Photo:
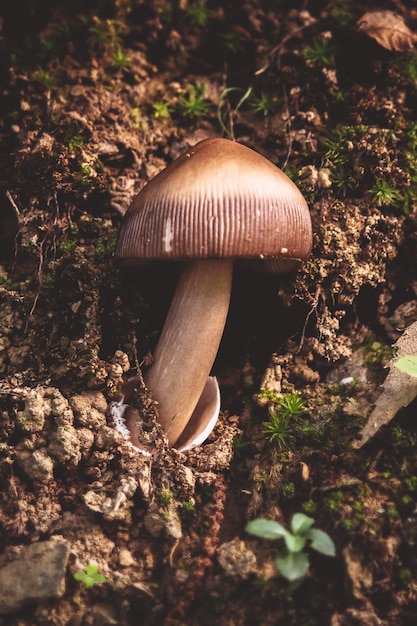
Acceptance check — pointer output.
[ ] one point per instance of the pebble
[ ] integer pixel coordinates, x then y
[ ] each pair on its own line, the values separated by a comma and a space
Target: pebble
37, 574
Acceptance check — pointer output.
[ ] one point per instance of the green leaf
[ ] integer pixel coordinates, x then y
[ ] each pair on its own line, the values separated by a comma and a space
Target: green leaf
294, 543
292, 565
300, 523
321, 542
99, 578
90, 576
268, 529
407, 364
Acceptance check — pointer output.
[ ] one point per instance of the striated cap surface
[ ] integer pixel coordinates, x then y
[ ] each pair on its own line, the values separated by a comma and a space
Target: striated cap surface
218, 200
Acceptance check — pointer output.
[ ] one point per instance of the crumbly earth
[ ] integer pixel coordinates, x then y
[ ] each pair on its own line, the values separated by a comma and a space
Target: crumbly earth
97, 98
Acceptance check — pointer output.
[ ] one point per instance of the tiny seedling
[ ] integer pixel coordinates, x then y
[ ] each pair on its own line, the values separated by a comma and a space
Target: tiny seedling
90, 576
292, 560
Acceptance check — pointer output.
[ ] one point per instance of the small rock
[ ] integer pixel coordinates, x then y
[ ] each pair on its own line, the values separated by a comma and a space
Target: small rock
104, 615
153, 521
37, 465
36, 575
89, 409
32, 418
64, 446
163, 520
236, 559
125, 558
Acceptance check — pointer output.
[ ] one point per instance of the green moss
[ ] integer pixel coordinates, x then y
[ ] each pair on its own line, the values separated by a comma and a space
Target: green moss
309, 507
265, 104
119, 58
165, 497
379, 162
192, 102
320, 53
405, 576
391, 513
384, 193
103, 34
375, 352
198, 13
66, 247
188, 507
48, 281
334, 503
75, 143
105, 247
161, 109
288, 490
349, 526
48, 80
312, 431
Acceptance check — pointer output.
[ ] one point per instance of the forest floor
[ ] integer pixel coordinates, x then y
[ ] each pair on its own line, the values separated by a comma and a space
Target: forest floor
97, 98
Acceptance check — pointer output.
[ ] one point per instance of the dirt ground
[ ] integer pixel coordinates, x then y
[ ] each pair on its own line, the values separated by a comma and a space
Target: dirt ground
97, 98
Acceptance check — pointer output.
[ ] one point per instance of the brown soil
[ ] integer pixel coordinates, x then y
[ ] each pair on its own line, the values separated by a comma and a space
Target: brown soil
97, 98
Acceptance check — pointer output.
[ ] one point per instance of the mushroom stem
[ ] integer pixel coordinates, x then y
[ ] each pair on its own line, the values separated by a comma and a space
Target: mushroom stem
189, 342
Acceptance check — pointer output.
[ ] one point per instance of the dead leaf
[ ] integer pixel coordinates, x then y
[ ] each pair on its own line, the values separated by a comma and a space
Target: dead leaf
388, 29
399, 389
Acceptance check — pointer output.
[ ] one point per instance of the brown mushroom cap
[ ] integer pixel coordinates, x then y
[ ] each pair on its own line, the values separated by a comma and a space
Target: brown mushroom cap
218, 200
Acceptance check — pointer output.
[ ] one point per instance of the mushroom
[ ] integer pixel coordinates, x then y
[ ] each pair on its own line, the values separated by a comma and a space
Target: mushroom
216, 203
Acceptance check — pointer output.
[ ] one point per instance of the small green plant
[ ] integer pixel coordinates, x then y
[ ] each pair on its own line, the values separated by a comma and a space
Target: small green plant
90, 576
103, 34
285, 409
161, 109
334, 503
165, 497
67, 246
309, 507
288, 490
278, 429
291, 405
391, 512
48, 281
119, 58
135, 117
75, 143
230, 111
188, 506
384, 193
105, 247
292, 561
231, 42
193, 103
198, 13
48, 80
320, 53
265, 104
407, 364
